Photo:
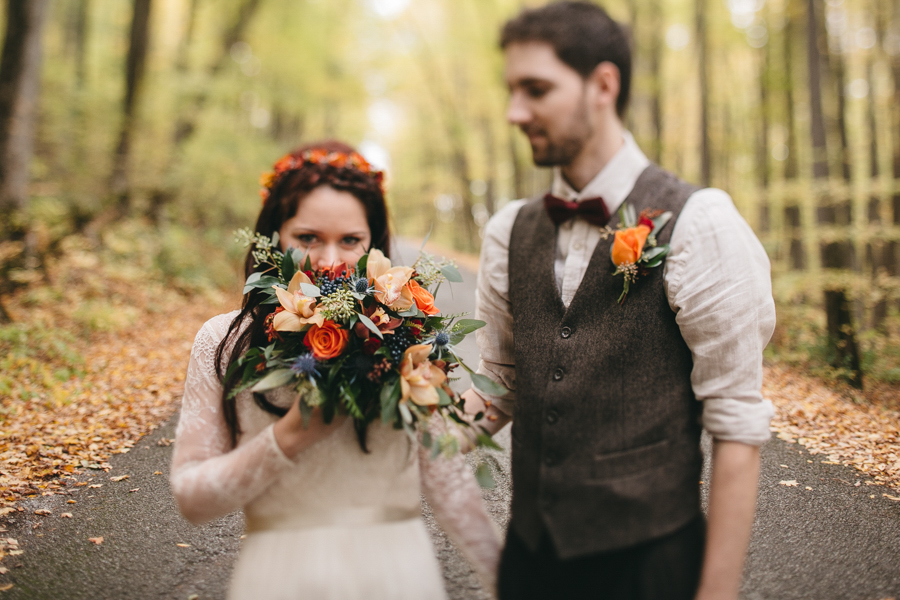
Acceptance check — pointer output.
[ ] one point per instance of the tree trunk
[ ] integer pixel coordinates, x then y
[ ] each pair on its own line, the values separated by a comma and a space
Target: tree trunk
185, 46
19, 89
120, 184
519, 175
654, 59
700, 7
791, 166
837, 62
843, 351
762, 149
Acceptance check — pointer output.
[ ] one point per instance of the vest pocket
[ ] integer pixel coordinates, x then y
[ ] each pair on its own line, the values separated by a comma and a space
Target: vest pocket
625, 463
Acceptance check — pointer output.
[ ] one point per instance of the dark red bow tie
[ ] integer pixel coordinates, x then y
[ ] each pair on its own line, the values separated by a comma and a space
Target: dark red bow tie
592, 210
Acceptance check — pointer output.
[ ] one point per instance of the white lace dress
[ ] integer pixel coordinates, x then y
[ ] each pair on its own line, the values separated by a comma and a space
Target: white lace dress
333, 523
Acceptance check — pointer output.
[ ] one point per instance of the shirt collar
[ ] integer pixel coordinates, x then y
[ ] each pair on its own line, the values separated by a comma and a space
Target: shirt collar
613, 183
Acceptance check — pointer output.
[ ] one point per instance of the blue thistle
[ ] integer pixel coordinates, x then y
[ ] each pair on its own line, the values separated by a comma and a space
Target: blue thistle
362, 286
305, 365
442, 339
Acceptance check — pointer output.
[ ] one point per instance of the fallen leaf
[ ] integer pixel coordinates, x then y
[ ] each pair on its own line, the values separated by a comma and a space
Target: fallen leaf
118, 478
809, 488
134, 490
785, 466
6, 510
789, 483
3, 570
5, 587
96, 540
165, 442
95, 485
65, 516
16, 552
42, 512
71, 502
157, 472
894, 498
183, 545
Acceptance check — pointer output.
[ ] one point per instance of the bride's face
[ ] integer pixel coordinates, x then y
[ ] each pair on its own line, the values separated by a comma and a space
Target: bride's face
330, 226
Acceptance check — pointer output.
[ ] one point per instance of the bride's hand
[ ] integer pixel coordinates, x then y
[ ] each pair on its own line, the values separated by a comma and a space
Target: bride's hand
293, 438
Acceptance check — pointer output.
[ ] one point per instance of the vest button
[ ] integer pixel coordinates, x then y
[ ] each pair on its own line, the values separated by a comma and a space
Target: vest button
557, 374
552, 417
566, 332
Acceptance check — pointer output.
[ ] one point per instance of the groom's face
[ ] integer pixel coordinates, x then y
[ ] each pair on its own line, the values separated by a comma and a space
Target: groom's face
548, 102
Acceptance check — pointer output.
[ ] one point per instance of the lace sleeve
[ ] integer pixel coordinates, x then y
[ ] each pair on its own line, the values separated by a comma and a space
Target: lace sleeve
210, 479
455, 498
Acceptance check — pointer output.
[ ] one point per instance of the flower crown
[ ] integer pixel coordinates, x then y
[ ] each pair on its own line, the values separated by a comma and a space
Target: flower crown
317, 156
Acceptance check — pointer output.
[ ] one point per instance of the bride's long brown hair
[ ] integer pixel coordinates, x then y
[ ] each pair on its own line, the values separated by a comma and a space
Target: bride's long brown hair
281, 205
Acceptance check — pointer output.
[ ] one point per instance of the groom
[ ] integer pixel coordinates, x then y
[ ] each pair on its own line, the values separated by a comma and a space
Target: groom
608, 398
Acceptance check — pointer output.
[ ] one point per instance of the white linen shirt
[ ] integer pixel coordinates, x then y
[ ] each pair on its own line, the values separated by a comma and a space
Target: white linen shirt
716, 280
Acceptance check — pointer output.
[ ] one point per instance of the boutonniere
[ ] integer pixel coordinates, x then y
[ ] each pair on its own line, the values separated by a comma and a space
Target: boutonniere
634, 248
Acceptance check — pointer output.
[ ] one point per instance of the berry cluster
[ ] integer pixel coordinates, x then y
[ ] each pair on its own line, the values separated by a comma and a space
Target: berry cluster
398, 343
330, 286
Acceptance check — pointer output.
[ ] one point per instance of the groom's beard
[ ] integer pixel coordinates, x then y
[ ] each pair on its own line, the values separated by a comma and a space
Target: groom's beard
560, 150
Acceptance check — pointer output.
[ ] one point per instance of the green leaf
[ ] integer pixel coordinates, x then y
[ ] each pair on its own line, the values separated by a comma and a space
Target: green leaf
390, 396
288, 267
253, 277
660, 221
467, 326
361, 265
370, 325
487, 385
426, 439
273, 380
405, 414
445, 400
310, 290
412, 312
653, 253
486, 441
451, 273
275, 239
307, 264
485, 476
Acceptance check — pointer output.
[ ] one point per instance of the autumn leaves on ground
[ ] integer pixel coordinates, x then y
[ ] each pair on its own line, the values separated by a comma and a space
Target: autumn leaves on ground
97, 353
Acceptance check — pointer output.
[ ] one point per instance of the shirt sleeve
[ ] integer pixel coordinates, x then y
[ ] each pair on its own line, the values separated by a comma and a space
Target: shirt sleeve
718, 283
495, 339
210, 479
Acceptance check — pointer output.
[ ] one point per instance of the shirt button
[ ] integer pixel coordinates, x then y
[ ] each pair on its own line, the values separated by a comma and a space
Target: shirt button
557, 374
565, 332
577, 246
552, 417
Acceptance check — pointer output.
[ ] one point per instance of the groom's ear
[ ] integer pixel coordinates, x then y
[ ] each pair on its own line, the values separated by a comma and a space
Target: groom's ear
604, 83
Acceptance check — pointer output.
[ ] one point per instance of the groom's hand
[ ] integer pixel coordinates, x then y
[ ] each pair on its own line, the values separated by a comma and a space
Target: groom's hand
494, 419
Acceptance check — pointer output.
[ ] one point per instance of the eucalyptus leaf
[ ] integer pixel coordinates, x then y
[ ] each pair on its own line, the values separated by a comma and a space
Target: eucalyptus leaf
485, 476
654, 252
445, 400
271, 300
390, 396
310, 290
487, 385
412, 312
253, 277
273, 380
467, 326
370, 325
307, 264
405, 414
275, 239
486, 441
361, 264
451, 273
660, 221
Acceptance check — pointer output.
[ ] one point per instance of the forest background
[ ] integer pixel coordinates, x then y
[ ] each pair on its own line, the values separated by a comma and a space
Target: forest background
132, 134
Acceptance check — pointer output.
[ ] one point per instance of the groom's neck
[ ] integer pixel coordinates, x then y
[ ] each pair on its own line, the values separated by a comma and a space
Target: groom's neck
597, 152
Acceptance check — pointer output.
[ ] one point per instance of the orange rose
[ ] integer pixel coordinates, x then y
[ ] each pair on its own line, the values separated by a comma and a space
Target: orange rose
326, 341
629, 244
424, 299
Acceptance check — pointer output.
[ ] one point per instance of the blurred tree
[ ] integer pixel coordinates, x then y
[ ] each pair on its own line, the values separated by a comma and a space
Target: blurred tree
120, 185
701, 11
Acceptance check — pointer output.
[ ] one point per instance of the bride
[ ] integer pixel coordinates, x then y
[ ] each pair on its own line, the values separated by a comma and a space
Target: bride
332, 511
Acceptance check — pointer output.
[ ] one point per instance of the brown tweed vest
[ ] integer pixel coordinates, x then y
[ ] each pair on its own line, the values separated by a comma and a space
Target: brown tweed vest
605, 441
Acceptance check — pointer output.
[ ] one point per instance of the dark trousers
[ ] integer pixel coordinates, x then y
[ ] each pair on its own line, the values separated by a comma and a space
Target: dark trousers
666, 568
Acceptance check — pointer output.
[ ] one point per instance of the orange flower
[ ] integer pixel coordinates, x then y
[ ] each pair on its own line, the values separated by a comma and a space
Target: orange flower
419, 377
326, 341
629, 244
424, 299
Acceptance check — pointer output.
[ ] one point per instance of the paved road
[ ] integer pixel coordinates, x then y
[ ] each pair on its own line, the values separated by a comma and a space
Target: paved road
839, 540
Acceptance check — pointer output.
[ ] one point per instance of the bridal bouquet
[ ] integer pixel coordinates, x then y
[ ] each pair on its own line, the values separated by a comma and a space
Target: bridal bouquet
365, 339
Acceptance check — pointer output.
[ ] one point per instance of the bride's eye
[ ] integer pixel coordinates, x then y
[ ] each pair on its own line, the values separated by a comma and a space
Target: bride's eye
306, 239
350, 241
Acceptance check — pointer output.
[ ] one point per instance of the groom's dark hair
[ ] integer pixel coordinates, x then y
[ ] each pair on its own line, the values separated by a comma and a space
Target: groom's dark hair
583, 35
